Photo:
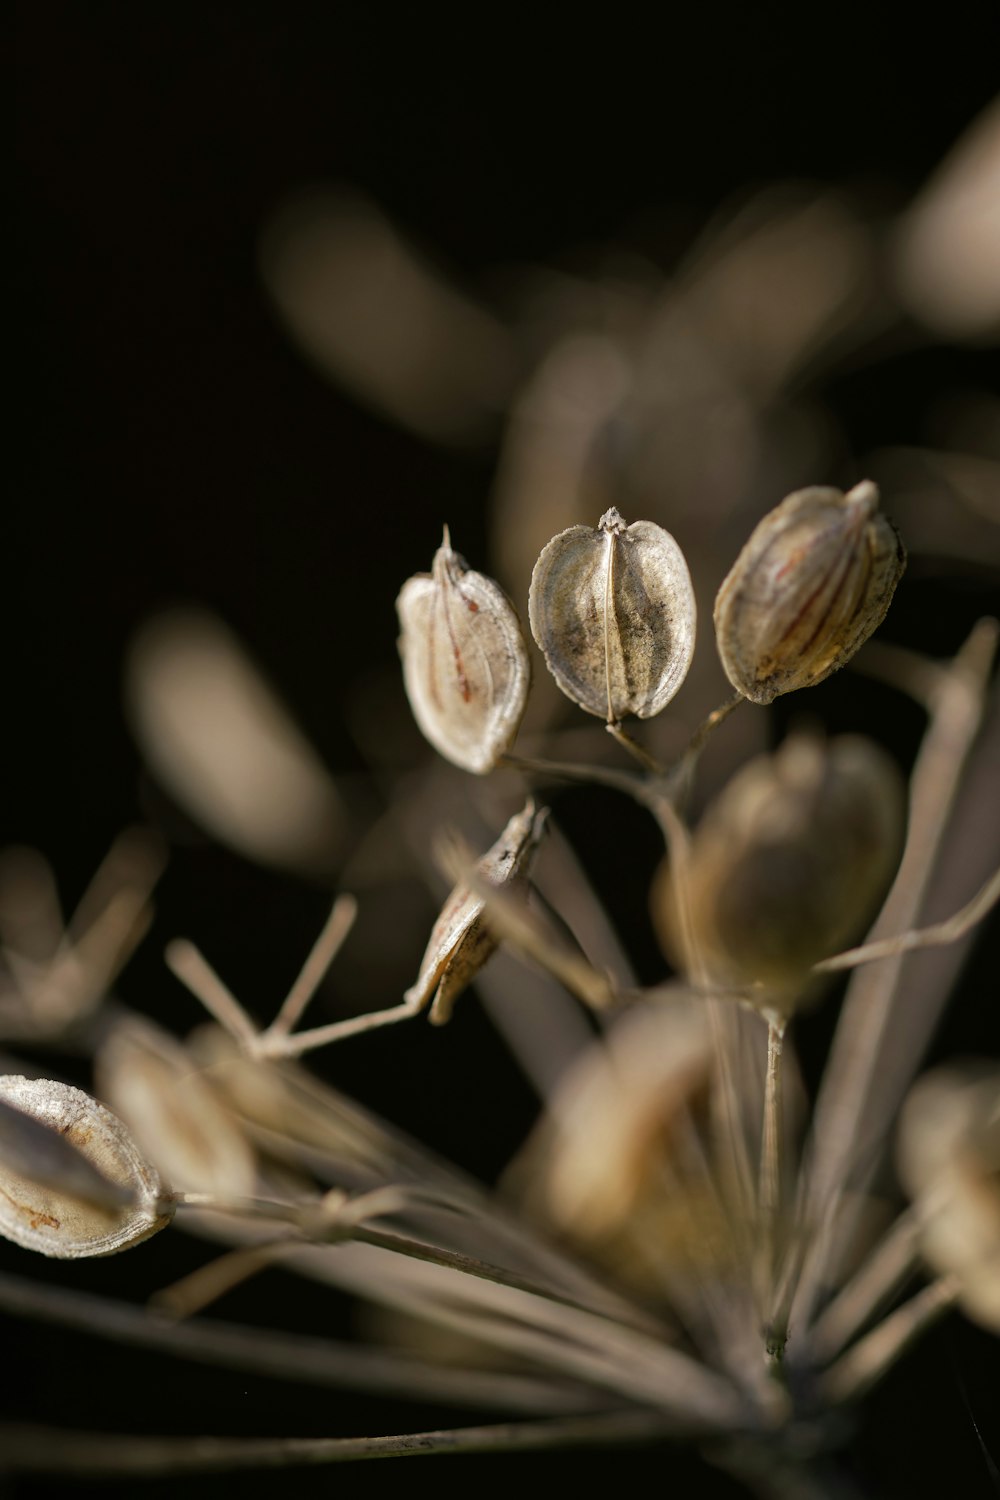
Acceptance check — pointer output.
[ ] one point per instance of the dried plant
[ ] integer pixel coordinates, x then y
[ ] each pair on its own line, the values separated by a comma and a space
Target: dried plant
685, 1247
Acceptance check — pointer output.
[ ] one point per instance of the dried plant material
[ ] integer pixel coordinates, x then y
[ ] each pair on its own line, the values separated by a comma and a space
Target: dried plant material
948, 1152
81, 1189
465, 664
786, 865
814, 580
362, 303
948, 246
610, 1165
175, 1115
462, 939
613, 613
222, 743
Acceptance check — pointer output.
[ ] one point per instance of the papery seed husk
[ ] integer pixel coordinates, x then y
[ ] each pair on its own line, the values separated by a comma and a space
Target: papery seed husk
812, 583
948, 1154
56, 1213
174, 1114
465, 663
787, 864
613, 613
461, 941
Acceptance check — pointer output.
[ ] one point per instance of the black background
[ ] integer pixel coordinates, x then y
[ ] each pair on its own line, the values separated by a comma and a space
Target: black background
171, 444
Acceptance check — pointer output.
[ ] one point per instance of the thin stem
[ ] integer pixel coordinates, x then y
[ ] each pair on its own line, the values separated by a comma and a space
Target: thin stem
769, 1182
882, 1273
195, 972
935, 936
47, 1450
325, 949
638, 752
271, 1046
869, 1359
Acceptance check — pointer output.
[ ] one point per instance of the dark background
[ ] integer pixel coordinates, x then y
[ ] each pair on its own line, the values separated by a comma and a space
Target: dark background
170, 443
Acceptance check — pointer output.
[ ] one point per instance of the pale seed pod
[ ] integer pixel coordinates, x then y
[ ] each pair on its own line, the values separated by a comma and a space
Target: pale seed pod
461, 940
465, 664
786, 866
814, 580
177, 1118
948, 1154
613, 613
72, 1180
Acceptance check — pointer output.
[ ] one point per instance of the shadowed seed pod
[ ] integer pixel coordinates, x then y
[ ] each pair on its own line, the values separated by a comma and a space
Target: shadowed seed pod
786, 866
461, 940
613, 613
72, 1180
812, 583
948, 1153
465, 664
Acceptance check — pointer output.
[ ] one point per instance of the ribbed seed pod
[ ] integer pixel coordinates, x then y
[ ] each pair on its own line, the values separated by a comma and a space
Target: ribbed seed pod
787, 865
465, 664
72, 1180
613, 613
812, 583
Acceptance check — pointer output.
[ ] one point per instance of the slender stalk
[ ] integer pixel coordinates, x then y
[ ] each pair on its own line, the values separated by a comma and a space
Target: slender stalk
770, 1178
47, 1450
882, 1273
869, 1359
325, 949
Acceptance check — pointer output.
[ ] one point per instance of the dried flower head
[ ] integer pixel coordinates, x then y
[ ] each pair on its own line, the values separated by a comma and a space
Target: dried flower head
465, 664
814, 580
462, 940
72, 1180
613, 613
788, 862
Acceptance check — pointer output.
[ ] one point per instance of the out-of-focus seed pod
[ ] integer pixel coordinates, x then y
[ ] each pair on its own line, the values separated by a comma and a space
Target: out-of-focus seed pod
465, 664
461, 940
787, 864
613, 1165
175, 1115
72, 1180
812, 583
613, 613
948, 1154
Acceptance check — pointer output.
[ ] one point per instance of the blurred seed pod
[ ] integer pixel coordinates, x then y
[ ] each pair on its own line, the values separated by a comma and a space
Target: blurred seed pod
72, 1180
461, 940
787, 865
948, 1154
177, 1119
465, 664
812, 583
614, 1166
220, 740
613, 612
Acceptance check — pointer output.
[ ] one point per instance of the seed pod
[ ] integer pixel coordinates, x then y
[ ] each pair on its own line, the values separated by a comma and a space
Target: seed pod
948, 1153
177, 1118
461, 940
613, 613
72, 1181
465, 664
787, 864
812, 583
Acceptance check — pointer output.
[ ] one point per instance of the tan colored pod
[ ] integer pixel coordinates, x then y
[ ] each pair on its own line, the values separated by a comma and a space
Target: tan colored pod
72, 1180
948, 1153
461, 940
613, 612
786, 865
465, 663
811, 585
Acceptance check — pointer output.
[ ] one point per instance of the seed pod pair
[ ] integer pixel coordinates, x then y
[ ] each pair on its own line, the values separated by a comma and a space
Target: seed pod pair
785, 866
